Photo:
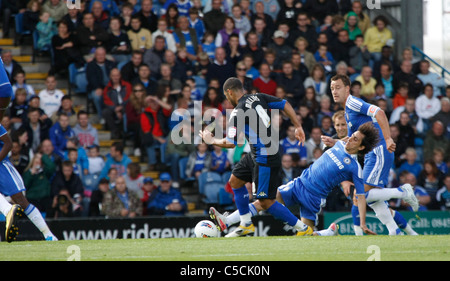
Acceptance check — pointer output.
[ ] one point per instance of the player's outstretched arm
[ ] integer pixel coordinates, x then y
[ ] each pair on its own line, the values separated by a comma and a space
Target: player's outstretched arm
299, 133
207, 136
384, 125
362, 214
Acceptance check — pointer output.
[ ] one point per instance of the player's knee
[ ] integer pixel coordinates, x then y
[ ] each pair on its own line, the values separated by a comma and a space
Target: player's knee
266, 203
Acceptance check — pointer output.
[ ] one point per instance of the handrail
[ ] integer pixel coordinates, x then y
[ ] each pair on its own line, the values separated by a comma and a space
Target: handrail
415, 48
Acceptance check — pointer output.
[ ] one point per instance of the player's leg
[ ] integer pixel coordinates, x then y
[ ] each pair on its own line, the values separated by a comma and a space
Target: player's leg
12, 213
402, 223
13, 186
34, 215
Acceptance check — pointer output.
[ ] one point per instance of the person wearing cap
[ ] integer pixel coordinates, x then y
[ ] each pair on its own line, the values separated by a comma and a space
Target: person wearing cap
283, 51
168, 201
149, 189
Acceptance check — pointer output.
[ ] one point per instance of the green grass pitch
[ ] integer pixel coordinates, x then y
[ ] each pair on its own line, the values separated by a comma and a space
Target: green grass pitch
338, 248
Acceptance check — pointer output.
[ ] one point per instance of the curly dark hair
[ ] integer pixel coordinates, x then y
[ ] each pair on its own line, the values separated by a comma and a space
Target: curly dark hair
371, 137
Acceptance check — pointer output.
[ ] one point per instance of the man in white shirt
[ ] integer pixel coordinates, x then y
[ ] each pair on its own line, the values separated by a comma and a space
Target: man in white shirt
50, 97
428, 77
426, 104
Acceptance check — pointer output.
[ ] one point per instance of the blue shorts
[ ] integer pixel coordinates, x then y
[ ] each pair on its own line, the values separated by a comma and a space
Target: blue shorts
294, 193
377, 165
10, 180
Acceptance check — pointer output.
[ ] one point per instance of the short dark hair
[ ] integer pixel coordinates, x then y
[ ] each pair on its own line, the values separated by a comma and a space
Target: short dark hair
344, 78
233, 84
371, 137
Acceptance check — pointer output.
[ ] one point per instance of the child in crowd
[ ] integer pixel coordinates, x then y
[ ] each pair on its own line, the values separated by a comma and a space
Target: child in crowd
401, 96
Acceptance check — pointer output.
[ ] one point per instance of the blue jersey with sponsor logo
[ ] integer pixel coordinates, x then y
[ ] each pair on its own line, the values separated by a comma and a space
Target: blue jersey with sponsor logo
332, 168
358, 112
252, 116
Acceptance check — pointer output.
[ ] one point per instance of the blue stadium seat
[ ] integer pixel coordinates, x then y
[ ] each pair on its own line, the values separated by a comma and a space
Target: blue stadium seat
20, 31
208, 178
212, 191
225, 198
77, 79
182, 163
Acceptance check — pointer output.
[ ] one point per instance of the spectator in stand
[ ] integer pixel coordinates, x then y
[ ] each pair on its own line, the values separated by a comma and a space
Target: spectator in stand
140, 37
116, 160
96, 162
431, 179
149, 19
376, 37
50, 97
118, 46
438, 157
443, 195
241, 22
171, 17
199, 161
101, 15
405, 75
444, 115
121, 201
317, 80
186, 37
96, 200
220, 68
11, 66
325, 58
65, 49
351, 25
168, 201
305, 30
154, 57
363, 18
154, 129
386, 78
115, 96
401, 96
19, 160
196, 22
127, 10
271, 7
407, 132
18, 108
37, 129
427, 105
97, 75
19, 77
288, 171
149, 190
432, 78
436, 139
167, 80
224, 33
31, 15
264, 83
67, 108
73, 18
283, 52
241, 70
60, 132
56, 9
215, 18
219, 161
307, 58
368, 83
47, 149
411, 165
45, 28
292, 82
87, 134
162, 31
129, 71
134, 179
315, 141
290, 145
133, 110
359, 56
66, 191
90, 36
253, 50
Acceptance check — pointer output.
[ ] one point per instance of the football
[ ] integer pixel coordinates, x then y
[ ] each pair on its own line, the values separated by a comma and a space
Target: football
206, 229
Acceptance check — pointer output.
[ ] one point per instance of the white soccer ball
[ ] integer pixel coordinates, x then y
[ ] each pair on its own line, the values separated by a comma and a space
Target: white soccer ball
206, 229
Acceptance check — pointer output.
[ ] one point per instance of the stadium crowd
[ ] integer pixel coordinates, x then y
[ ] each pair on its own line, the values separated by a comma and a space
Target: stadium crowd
146, 58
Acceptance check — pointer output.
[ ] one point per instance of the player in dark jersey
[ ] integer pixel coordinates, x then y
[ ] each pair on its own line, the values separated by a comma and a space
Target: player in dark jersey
252, 116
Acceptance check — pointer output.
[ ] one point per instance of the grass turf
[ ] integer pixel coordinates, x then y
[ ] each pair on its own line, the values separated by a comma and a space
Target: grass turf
340, 248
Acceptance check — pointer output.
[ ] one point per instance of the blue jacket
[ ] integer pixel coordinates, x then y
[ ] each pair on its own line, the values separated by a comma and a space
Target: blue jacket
162, 199
58, 137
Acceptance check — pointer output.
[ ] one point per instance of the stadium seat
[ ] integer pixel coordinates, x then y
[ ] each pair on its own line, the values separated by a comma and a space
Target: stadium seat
225, 198
77, 79
182, 163
226, 176
211, 192
20, 31
208, 178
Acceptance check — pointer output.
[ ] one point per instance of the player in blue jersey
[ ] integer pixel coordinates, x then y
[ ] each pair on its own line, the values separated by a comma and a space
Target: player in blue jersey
251, 115
11, 184
312, 187
6, 91
378, 162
